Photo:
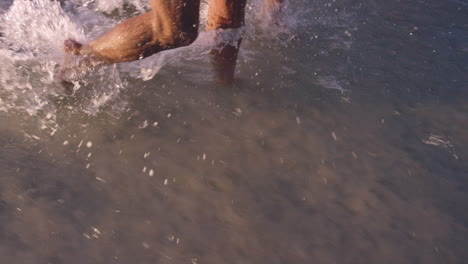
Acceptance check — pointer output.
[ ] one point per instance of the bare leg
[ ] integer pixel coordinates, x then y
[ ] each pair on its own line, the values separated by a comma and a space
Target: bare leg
170, 24
269, 12
273, 6
224, 14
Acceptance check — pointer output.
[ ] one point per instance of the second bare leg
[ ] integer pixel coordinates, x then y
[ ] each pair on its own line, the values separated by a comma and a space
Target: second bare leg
229, 14
226, 14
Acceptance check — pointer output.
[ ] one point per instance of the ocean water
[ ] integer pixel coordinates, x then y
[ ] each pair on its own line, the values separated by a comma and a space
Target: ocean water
342, 140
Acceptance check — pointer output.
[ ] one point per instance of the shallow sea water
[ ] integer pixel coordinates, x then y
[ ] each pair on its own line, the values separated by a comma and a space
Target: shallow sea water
343, 140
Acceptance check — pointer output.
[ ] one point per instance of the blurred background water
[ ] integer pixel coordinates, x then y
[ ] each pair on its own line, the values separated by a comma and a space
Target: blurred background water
343, 140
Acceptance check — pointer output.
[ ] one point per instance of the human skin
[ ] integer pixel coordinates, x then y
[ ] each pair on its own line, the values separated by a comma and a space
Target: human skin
170, 24
225, 14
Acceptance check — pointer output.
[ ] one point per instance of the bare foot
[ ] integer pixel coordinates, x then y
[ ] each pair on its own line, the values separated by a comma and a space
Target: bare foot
72, 47
72, 66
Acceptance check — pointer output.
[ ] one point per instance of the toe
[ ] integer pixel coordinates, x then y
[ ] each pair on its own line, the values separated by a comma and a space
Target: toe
72, 46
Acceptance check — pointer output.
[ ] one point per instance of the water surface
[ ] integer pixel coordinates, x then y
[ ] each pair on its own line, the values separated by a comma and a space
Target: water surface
343, 140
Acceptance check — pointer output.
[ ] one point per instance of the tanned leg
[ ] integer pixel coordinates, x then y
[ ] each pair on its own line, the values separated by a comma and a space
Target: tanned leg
170, 24
273, 6
268, 14
225, 14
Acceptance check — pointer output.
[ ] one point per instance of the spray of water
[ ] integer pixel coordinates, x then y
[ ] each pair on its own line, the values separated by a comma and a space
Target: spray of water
32, 34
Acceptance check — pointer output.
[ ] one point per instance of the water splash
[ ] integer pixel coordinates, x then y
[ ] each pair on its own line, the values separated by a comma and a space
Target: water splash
32, 35
38, 27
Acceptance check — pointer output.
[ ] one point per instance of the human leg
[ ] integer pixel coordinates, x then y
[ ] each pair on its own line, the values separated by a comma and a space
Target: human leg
273, 5
170, 24
226, 14
268, 13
